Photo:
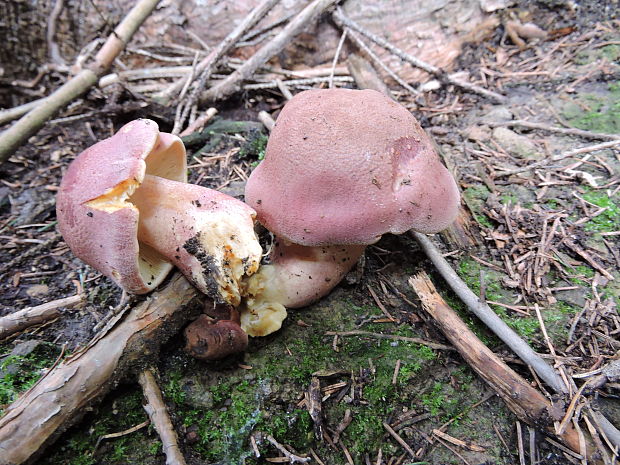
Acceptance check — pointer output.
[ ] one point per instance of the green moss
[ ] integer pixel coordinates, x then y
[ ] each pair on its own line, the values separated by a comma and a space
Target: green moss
255, 145
602, 114
19, 373
611, 52
607, 221
484, 220
475, 197
123, 412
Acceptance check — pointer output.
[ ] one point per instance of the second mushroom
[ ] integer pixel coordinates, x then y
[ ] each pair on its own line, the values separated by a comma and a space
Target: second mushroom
342, 167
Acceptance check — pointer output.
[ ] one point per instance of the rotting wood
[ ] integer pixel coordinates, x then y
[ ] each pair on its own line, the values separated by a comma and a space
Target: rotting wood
232, 83
30, 123
31, 316
52, 405
156, 410
524, 401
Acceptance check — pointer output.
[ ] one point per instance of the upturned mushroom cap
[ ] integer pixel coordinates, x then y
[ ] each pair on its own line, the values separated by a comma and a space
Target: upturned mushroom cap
94, 217
346, 166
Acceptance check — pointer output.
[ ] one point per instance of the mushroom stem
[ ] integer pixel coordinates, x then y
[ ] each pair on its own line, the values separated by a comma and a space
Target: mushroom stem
296, 276
208, 235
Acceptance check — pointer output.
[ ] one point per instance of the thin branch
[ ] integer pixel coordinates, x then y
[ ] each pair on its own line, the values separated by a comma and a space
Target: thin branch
526, 402
546, 127
205, 67
233, 82
289, 455
488, 316
13, 137
562, 156
22, 319
156, 410
55, 402
362, 45
440, 74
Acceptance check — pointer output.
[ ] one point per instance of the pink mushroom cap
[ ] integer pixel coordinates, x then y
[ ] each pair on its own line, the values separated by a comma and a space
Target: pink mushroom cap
94, 218
346, 166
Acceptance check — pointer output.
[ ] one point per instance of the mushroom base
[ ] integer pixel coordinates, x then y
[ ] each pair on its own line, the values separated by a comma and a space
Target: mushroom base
295, 277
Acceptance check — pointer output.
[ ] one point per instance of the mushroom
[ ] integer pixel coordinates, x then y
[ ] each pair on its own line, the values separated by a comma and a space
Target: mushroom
125, 208
213, 337
342, 167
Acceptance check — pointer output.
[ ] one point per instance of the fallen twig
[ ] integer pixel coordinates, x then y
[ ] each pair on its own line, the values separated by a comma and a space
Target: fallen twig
205, 67
415, 340
292, 458
298, 82
365, 75
31, 316
546, 127
55, 402
13, 137
440, 74
526, 402
232, 83
562, 156
488, 316
360, 43
156, 410
400, 440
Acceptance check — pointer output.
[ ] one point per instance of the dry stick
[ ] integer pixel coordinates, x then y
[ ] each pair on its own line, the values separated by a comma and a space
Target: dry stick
22, 319
298, 82
13, 113
156, 410
562, 156
440, 74
42, 413
415, 340
525, 401
610, 431
546, 127
223, 48
205, 67
489, 317
233, 82
373, 56
289, 455
365, 75
13, 137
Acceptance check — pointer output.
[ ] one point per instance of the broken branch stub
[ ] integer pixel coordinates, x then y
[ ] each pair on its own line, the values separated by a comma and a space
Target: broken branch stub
57, 401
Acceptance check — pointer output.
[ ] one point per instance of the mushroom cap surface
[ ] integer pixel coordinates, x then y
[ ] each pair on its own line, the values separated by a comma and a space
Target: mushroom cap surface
346, 166
94, 215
